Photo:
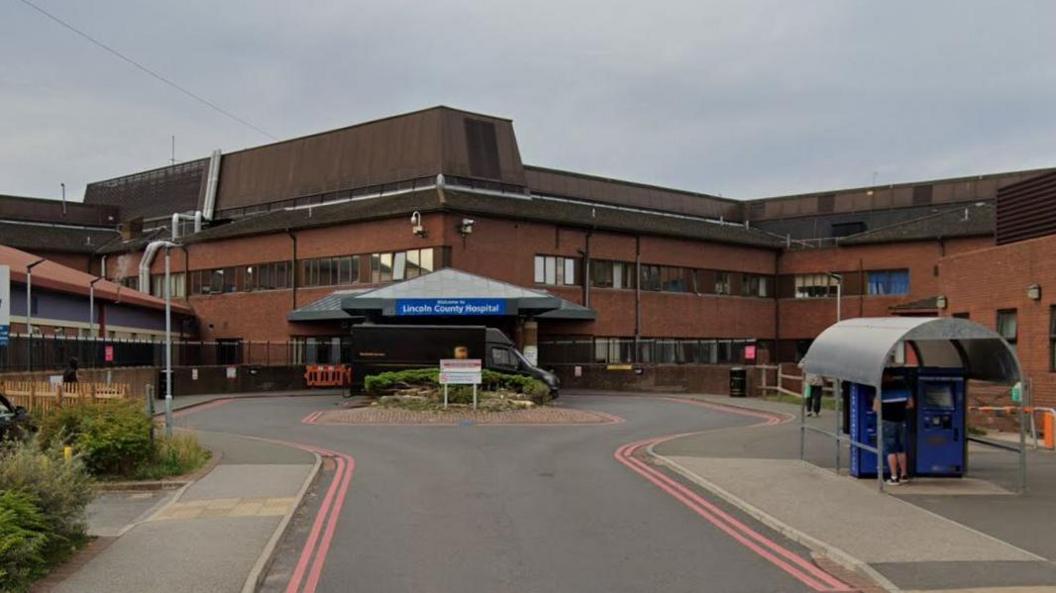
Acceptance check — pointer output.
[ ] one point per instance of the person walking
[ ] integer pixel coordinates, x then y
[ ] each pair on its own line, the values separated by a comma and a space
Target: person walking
815, 385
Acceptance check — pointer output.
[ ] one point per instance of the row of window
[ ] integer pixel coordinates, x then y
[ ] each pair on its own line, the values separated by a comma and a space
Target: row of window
649, 350
878, 283
319, 271
561, 271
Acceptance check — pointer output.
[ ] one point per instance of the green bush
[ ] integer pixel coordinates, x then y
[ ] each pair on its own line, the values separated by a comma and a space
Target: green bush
175, 456
113, 438
23, 540
390, 381
58, 488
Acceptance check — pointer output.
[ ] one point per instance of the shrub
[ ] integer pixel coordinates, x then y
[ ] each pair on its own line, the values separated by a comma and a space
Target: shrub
113, 438
391, 381
23, 540
60, 489
175, 456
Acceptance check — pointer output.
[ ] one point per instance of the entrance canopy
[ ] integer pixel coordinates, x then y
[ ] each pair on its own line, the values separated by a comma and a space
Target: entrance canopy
444, 293
858, 350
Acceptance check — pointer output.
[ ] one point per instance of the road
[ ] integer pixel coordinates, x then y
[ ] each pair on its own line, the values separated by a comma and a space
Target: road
513, 508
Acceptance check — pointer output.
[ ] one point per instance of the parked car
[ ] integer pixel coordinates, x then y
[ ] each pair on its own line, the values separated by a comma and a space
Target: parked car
15, 422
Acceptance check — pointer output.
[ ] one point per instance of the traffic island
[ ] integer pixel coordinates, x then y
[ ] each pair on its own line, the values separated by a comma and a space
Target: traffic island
459, 415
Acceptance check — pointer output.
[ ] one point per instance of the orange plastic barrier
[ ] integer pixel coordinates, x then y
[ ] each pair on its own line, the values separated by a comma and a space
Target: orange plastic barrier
328, 375
1048, 420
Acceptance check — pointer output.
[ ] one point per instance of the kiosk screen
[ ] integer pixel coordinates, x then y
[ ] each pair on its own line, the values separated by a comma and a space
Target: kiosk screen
938, 395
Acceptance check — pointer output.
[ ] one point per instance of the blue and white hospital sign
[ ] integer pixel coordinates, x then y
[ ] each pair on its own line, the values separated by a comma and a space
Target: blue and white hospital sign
452, 307
5, 304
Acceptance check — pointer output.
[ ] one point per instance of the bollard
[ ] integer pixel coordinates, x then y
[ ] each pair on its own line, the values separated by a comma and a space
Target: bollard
67, 452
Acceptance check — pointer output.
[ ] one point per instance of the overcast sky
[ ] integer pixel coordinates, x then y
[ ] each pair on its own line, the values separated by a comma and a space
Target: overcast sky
745, 99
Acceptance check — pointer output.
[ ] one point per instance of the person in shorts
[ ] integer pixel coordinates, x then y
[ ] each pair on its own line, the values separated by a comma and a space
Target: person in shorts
894, 413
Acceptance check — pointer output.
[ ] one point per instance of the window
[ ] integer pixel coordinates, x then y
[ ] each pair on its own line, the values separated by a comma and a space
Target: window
502, 357
601, 274
399, 265
677, 279
555, 270
889, 282
754, 285
722, 283
177, 285
1052, 338
812, 286
1007, 326
964, 315
650, 277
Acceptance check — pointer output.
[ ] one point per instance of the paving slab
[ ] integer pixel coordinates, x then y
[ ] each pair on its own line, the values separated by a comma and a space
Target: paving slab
232, 482
219, 552
111, 513
849, 515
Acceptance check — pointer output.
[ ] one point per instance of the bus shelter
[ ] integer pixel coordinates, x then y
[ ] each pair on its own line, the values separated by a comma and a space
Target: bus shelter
859, 350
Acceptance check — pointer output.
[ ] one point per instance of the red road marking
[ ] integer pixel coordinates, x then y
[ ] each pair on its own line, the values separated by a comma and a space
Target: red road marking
785, 559
317, 525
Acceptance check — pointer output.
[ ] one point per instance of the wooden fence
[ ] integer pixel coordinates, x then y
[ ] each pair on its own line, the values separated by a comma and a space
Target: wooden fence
44, 396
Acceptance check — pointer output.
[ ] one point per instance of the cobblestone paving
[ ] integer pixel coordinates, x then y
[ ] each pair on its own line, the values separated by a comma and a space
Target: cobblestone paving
454, 416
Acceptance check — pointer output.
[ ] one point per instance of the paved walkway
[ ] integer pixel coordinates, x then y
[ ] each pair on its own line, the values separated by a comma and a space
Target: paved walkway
932, 535
207, 537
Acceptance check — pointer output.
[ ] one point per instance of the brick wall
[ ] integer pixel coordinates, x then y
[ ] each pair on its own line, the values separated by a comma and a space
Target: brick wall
661, 378
806, 318
981, 282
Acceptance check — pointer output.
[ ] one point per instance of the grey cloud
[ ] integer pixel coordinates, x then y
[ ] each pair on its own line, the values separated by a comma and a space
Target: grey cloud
744, 99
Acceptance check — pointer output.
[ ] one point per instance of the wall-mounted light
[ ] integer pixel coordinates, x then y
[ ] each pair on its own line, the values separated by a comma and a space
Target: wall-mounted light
1034, 292
466, 226
940, 302
416, 224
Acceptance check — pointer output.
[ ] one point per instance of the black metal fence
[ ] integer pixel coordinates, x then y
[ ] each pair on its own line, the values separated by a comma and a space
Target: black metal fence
38, 353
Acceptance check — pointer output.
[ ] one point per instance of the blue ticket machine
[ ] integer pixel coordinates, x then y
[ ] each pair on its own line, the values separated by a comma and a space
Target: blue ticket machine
938, 446
863, 430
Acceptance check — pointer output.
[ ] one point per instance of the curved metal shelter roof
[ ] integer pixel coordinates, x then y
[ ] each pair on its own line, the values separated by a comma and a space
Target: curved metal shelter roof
859, 349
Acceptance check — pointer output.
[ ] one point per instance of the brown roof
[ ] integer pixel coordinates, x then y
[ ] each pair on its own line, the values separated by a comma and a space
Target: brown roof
564, 212
60, 278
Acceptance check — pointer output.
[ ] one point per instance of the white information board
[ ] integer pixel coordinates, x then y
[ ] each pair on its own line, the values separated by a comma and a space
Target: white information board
460, 371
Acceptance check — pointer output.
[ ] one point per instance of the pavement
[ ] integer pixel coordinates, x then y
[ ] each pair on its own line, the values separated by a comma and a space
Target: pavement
931, 535
209, 536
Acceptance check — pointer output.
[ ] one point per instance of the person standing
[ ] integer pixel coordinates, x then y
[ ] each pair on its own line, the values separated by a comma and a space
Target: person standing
893, 405
815, 385
70, 374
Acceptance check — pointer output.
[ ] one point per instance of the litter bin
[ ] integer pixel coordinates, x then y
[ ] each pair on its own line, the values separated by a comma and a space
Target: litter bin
738, 382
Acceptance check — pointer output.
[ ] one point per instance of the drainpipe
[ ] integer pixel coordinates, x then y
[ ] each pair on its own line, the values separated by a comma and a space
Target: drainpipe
102, 267
777, 307
637, 295
586, 271
293, 272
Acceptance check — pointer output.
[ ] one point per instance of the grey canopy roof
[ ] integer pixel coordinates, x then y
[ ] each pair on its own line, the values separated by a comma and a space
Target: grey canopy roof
859, 349
447, 283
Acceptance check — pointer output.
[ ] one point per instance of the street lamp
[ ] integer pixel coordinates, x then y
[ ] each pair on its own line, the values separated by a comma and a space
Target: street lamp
151, 248
29, 312
839, 294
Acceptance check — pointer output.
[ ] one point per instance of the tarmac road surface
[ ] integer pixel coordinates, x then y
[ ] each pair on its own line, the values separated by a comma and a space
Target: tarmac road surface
522, 509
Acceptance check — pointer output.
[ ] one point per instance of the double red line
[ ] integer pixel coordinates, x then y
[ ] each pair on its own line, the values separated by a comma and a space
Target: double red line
309, 567
781, 557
